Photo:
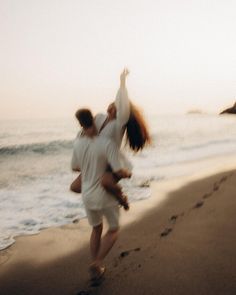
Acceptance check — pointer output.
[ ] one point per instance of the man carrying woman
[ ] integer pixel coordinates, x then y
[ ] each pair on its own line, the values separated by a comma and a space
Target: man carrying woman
91, 156
123, 119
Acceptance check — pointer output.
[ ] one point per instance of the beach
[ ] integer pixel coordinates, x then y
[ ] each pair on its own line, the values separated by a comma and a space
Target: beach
35, 166
155, 81
180, 241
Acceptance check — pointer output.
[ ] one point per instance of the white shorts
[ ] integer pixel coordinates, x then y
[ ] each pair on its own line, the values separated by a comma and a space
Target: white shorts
111, 214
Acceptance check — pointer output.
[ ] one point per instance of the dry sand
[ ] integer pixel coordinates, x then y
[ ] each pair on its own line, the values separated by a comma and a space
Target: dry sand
180, 241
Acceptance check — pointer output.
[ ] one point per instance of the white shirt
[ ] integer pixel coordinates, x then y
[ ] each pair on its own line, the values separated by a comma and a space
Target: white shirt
91, 156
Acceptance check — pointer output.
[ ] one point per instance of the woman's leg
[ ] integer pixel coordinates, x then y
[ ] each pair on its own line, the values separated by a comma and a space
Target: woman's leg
76, 185
109, 182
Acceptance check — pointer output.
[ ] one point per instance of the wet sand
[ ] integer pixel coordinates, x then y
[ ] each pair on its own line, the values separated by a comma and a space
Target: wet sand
180, 241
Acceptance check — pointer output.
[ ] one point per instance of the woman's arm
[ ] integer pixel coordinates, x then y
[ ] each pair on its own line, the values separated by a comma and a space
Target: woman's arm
122, 102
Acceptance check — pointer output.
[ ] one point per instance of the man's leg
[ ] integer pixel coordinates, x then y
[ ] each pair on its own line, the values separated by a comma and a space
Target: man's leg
96, 269
95, 241
112, 216
95, 220
106, 244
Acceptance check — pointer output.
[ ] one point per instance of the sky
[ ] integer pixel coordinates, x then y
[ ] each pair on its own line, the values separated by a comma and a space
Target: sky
60, 55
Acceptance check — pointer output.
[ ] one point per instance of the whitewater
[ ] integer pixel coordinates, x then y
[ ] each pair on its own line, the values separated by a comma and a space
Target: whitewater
35, 172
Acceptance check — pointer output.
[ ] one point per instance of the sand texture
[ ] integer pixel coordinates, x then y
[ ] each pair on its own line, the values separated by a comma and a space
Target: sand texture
180, 241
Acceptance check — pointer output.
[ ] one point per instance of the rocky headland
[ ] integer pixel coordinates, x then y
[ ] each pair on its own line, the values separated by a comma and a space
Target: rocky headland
231, 110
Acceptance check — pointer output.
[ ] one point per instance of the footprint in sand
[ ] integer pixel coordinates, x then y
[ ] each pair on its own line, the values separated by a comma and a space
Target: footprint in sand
224, 178
173, 218
216, 186
207, 195
126, 253
198, 204
4, 257
166, 232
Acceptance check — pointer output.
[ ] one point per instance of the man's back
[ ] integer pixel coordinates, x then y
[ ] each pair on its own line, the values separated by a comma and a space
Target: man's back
92, 156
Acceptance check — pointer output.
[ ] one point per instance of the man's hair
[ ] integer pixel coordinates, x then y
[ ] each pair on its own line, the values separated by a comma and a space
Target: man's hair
85, 118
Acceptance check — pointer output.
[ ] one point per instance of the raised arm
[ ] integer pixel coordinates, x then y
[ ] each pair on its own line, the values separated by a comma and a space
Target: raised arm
122, 102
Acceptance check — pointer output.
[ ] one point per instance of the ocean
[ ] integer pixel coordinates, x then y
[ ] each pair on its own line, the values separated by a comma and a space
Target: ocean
35, 170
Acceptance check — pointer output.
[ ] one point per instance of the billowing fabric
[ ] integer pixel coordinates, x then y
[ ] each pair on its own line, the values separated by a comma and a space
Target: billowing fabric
115, 129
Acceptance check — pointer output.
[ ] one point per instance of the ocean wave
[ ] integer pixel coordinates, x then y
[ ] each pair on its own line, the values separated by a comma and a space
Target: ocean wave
209, 143
4, 135
37, 148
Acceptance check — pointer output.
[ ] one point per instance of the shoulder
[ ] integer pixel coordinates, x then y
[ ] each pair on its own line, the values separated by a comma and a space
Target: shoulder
100, 117
78, 136
81, 141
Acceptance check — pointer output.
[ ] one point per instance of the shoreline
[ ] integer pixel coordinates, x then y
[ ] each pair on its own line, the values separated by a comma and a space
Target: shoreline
206, 166
162, 230
209, 165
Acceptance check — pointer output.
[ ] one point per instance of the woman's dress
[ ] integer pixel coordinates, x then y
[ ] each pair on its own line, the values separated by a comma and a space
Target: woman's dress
115, 129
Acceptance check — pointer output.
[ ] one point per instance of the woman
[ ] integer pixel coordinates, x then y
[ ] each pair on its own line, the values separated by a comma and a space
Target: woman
122, 116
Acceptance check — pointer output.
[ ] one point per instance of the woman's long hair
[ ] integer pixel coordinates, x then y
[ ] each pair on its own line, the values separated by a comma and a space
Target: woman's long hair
137, 134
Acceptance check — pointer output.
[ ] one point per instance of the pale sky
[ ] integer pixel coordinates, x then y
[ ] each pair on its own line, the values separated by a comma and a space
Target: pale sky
59, 55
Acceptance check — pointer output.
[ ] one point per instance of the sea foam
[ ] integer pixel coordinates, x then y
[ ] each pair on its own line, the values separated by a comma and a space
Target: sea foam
35, 170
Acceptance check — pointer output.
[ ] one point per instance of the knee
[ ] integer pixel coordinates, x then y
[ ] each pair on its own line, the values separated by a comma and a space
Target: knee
75, 188
76, 185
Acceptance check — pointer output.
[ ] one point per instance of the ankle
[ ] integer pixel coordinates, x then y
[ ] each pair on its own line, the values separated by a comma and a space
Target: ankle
96, 263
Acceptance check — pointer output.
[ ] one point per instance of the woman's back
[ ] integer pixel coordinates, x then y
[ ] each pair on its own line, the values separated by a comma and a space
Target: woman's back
112, 130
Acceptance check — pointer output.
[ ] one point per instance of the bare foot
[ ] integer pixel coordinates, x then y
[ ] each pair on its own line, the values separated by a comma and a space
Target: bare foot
96, 272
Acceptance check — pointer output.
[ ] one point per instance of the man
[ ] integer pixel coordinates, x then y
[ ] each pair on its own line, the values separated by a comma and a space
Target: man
91, 156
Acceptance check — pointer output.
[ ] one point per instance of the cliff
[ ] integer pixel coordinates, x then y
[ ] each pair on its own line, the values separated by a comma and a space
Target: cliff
231, 110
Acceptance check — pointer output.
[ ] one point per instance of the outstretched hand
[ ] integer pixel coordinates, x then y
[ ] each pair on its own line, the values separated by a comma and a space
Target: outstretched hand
123, 76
